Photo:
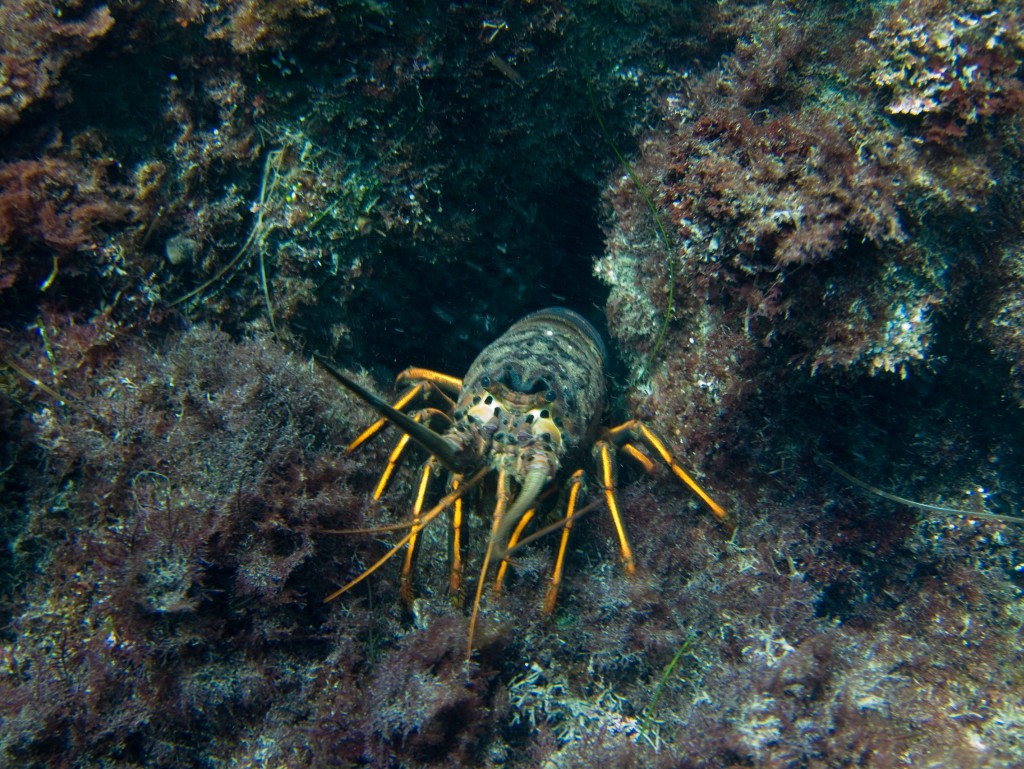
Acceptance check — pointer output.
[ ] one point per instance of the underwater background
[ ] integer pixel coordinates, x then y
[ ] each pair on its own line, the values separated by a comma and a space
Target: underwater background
798, 225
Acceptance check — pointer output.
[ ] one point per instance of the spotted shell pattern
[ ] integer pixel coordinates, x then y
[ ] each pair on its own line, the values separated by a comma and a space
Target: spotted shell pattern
541, 385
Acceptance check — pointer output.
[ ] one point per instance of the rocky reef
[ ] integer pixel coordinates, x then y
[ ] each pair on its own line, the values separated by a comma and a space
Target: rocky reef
799, 225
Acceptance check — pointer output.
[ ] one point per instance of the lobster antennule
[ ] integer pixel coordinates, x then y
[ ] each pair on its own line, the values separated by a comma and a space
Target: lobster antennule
436, 444
504, 520
532, 485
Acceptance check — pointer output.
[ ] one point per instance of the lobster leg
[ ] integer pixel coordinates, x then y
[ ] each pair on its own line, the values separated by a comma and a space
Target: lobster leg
637, 430
457, 567
410, 554
445, 382
606, 468
393, 458
425, 383
499, 581
575, 482
446, 451
400, 446
404, 400
500, 507
638, 456
425, 521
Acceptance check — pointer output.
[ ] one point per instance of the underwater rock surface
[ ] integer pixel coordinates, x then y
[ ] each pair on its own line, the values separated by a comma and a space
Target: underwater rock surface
799, 225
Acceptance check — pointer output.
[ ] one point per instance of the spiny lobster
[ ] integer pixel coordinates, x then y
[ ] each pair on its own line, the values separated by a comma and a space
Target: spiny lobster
531, 401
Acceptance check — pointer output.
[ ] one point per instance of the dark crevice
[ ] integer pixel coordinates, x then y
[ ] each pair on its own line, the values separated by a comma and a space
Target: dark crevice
414, 311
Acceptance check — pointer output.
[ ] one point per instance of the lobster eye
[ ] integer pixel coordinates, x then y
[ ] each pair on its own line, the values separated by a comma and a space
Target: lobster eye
485, 381
550, 396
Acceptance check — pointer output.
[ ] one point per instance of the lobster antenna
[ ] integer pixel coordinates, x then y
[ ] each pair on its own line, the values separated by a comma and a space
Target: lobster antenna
920, 505
437, 445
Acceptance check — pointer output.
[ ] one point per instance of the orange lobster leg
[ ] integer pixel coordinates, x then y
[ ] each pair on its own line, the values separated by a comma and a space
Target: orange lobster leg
457, 568
575, 481
634, 428
430, 383
425, 521
499, 512
606, 468
421, 492
503, 566
396, 453
638, 456
404, 400
449, 384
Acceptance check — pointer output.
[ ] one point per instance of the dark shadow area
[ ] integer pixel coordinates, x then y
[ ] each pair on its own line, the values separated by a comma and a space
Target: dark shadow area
413, 311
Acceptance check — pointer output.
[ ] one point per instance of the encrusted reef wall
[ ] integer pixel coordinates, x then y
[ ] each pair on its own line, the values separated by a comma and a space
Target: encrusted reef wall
799, 223
839, 198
